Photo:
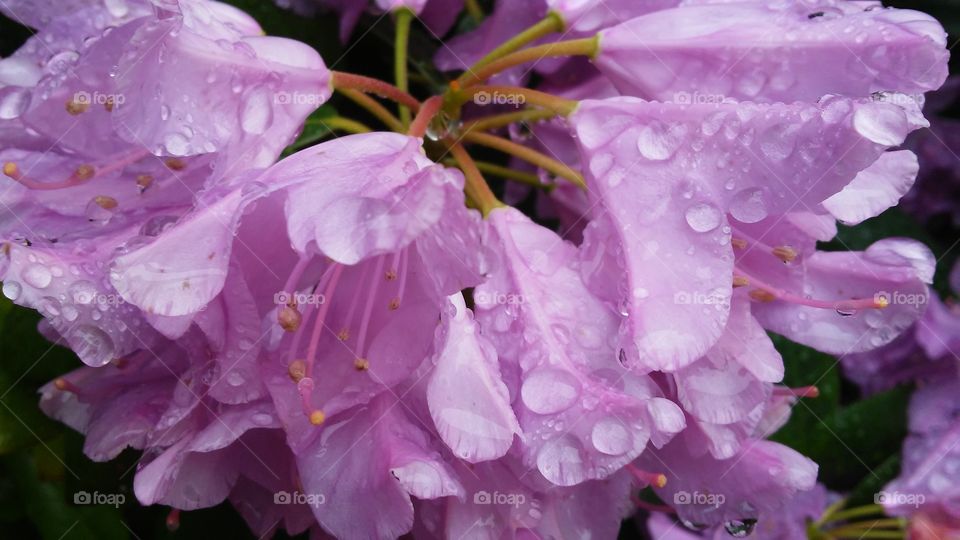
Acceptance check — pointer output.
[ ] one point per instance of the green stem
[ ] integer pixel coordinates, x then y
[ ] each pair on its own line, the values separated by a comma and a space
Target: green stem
476, 187
860, 511
374, 108
489, 95
865, 534
404, 20
342, 124
575, 47
553, 22
530, 155
474, 10
529, 179
896, 523
487, 123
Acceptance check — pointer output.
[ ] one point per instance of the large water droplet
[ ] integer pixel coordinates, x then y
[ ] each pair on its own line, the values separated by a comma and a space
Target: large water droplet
549, 391
611, 437
658, 141
740, 528
748, 206
256, 116
12, 290
37, 275
703, 217
92, 345
13, 101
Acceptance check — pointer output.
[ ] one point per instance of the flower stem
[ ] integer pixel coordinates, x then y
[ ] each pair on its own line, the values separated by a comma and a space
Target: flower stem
487, 123
487, 95
404, 19
529, 179
477, 189
895, 523
575, 47
341, 124
374, 108
370, 85
553, 22
865, 534
860, 511
546, 163
474, 10
429, 109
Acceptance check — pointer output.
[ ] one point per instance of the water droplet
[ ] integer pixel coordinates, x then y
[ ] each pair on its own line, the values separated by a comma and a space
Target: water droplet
92, 345
13, 102
658, 141
703, 217
256, 114
12, 290
740, 528
235, 378
549, 390
37, 275
748, 206
611, 437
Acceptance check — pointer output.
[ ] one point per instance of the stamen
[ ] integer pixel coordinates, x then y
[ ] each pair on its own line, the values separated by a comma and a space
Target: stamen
344, 333
403, 277
785, 253
740, 281
12, 170
653, 479
173, 520
768, 293
317, 417
175, 164
802, 392
64, 385
144, 181
361, 364
84, 172
318, 325
297, 370
368, 310
762, 295
738, 243
289, 318
305, 388
105, 202
76, 107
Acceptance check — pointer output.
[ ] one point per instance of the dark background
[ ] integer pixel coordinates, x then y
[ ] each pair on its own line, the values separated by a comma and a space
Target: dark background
856, 441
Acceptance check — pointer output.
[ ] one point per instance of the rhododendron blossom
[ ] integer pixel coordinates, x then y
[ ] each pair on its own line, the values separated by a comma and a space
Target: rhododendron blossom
353, 335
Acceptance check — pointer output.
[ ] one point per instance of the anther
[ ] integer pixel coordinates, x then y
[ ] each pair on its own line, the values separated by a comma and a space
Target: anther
391, 275
84, 172
881, 301
289, 318
740, 281
75, 107
803, 392
785, 253
106, 202
108, 104
317, 417
144, 181
739, 243
361, 364
64, 385
297, 370
10, 169
761, 295
343, 335
175, 164
654, 479
394, 304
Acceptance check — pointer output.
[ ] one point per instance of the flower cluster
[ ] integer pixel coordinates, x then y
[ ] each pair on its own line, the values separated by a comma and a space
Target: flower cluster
335, 342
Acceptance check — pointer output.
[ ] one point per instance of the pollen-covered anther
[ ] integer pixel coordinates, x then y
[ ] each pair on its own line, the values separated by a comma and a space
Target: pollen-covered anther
297, 370
762, 295
11, 169
317, 417
85, 172
76, 106
343, 335
108, 104
105, 201
175, 164
881, 301
64, 385
390, 275
653, 479
289, 318
144, 181
785, 253
740, 281
394, 304
738, 243
361, 364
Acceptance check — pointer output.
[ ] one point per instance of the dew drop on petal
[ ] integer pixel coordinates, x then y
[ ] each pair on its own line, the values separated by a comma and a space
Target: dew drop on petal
549, 391
611, 437
740, 528
92, 345
13, 102
881, 123
658, 141
748, 206
703, 217
256, 114
37, 275
12, 290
